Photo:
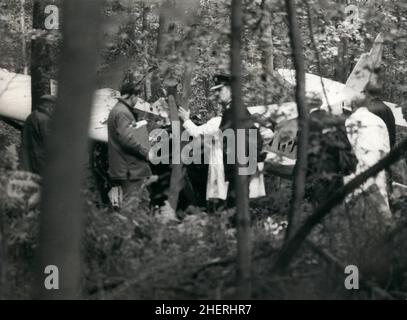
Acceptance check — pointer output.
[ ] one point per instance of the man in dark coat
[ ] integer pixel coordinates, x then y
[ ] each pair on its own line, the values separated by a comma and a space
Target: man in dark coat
35, 135
128, 145
330, 154
375, 105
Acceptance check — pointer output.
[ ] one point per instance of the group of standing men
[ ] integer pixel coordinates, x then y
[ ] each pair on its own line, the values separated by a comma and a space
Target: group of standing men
128, 159
340, 148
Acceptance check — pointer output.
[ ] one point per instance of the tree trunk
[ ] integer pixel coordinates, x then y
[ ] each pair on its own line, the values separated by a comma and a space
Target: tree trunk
344, 70
23, 39
40, 54
61, 207
178, 176
40, 64
241, 181
301, 165
162, 29
176, 179
266, 47
186, 86
146, 10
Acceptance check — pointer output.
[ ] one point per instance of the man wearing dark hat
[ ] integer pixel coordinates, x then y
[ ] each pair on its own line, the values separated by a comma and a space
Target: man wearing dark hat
220, 174
217, 186
128, 145
35, 135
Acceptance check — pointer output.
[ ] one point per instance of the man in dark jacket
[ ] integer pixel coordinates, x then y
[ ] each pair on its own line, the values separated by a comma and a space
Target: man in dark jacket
380, 109
373, 90
35, 135
128, 145
330, 154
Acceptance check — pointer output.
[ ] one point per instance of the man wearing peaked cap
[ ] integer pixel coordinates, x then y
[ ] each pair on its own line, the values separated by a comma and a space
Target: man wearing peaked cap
49, 98
221, 80
220, 177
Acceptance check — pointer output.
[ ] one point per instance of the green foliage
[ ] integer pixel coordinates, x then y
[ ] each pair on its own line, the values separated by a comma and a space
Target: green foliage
18, 225
132, 254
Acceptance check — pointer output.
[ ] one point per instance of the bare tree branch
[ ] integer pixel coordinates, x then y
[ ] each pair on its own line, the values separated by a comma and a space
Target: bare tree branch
328, 256
293, 245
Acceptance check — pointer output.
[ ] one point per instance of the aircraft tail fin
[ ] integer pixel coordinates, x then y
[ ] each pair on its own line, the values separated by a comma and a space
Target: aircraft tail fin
361, 73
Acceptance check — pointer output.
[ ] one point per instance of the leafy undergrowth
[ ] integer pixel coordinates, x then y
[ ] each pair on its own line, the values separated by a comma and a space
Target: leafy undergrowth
133, 255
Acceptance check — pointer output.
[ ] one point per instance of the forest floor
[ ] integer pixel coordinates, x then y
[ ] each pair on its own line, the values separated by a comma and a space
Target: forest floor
132, 255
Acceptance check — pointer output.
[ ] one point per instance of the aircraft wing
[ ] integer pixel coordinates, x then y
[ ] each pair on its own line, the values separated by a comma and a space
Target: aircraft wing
317, 84
15, 103
15, 95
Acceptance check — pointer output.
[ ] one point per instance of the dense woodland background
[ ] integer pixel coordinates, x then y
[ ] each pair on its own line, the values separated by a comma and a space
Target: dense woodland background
132, 255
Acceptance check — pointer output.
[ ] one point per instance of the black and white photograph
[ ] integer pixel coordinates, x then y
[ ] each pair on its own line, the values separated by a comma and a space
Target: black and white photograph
203, 150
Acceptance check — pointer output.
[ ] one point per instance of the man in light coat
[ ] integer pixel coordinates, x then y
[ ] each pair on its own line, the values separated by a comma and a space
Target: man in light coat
218, 184
370, 140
